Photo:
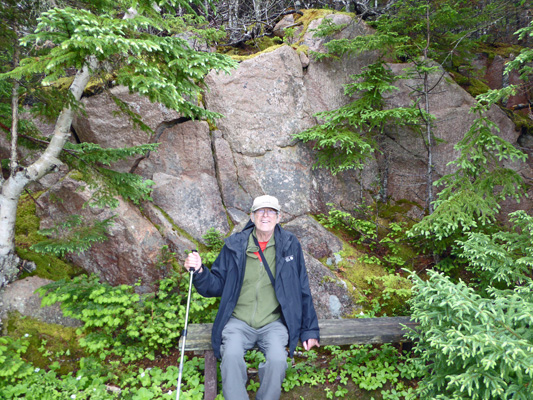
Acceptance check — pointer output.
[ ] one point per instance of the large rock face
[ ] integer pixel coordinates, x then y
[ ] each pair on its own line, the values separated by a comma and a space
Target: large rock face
265, 102
207, 175
186, 187
133, 249
105, 125
405, 150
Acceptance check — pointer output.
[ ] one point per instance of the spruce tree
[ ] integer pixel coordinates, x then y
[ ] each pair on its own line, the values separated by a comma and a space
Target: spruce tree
476, 343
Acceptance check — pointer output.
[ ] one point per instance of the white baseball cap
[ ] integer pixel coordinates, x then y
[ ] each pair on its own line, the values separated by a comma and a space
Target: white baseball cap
265, 201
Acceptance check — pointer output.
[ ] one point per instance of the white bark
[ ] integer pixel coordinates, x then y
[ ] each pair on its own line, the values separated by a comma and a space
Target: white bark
13, 186
257, 9
233, 18
14, 127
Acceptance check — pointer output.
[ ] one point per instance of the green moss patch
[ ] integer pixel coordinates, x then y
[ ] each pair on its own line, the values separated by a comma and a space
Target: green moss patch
355, 270
234, 54
377, 291
96, 84
266, 44
49, 343
472, 85
522, 122
375, 267
504, 50
26, 234
311, 15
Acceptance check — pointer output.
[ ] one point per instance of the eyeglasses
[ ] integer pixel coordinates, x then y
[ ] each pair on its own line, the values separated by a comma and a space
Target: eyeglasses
266, 211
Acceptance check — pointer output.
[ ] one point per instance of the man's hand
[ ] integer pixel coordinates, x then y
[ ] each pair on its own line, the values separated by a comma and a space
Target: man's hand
310, 343
193, 261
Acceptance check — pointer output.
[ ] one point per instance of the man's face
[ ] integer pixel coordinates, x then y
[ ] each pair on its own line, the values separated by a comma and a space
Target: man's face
265, 219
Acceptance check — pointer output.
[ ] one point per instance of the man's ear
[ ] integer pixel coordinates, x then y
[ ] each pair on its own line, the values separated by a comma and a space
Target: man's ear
252, 217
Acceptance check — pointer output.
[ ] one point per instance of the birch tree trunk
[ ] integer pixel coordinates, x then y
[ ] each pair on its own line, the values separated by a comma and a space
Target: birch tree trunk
258, 9
12, 187
233, 19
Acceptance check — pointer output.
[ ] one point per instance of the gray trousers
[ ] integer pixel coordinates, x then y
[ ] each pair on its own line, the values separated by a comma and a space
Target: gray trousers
237, 338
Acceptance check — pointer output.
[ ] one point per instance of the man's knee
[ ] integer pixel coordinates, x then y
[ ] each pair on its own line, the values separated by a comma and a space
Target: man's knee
277, 358
278, 363
233, 354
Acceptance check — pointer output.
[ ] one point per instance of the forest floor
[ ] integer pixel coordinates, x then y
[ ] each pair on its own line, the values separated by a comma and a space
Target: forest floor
306, 392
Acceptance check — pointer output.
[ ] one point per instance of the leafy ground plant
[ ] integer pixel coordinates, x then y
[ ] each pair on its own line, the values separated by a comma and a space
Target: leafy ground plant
117, 321
383, 371
93, 381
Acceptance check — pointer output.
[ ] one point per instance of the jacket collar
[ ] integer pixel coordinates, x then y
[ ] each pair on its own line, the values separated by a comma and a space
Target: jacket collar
236, 242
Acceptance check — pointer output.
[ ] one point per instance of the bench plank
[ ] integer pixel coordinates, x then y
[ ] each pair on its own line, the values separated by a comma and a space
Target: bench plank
332, 332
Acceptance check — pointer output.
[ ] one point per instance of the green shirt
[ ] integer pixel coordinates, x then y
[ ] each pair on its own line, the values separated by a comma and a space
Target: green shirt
257, 304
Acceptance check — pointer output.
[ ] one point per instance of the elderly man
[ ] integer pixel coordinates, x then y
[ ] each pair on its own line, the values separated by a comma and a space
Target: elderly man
261, 278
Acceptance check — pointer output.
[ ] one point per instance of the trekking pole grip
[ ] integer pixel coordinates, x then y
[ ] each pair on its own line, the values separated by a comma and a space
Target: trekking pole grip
193, 251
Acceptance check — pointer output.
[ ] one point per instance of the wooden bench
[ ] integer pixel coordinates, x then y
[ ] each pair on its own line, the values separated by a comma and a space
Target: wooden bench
332, 332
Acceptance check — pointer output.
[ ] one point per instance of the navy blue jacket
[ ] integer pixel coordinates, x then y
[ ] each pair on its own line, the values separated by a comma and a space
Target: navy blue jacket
291, 285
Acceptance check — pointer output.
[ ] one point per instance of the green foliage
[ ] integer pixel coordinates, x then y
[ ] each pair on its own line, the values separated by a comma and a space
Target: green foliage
288, 35
13, 366
346, 138
75, 235
476, 348
118, 321
214, 241
362, 231
449, 26
27, 234
94, 381
523, 61
505, 257
369, 368
365, 366
130, 187
87, 159
479, 345
90, 153
327, 28
470, 197
156, 383
381, 41
160, 66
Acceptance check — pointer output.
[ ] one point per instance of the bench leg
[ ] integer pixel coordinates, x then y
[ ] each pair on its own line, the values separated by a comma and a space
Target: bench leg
210, 375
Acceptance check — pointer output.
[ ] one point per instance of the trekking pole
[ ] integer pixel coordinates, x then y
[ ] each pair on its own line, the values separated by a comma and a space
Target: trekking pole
178, 388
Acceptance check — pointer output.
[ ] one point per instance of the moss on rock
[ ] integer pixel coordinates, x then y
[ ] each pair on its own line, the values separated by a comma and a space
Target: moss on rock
26, 234
267, 44
472, 85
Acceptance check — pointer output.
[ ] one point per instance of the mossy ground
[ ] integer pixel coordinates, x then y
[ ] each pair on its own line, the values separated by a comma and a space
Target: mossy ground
379, 281
377, 290
26, 234
49, 343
